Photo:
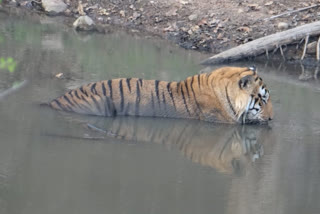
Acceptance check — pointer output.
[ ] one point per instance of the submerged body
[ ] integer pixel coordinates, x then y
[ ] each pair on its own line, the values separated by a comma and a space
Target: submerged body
228, 95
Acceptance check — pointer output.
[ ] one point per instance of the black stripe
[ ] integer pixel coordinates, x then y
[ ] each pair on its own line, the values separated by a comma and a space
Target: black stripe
156, 83
140, 80
83, 91
121, 96
229, 102
93, 88
77, 95
184, 101
186, 83
152, 104
70, 93
178, 86
96, 103
103, 89
137, 99
59, 104
194, 95
207, 76
171, 95
110, 88
164, 102
67, 99
199, 81
128, 84
110, 109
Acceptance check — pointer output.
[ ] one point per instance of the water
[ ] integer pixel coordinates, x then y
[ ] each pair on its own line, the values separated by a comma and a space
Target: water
51, 162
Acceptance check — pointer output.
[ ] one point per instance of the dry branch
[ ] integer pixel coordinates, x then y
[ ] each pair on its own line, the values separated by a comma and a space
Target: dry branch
12, 89
261, 45
290, 12
305, 47
318, 49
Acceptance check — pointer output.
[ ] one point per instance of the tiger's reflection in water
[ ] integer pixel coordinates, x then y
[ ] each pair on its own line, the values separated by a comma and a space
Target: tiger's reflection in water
226, 148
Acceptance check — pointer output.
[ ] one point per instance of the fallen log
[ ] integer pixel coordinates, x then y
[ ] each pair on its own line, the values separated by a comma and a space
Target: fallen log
264, 44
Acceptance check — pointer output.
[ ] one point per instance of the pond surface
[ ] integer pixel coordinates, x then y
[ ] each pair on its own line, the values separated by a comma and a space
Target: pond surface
50, 162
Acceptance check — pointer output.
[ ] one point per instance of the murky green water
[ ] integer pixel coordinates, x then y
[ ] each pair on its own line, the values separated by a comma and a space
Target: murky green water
52, 163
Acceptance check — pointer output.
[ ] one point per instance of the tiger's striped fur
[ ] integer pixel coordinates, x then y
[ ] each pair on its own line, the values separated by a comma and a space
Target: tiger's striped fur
228, 94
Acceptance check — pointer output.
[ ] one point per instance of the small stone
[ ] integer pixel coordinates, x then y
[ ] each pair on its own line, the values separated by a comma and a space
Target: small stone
283, 25
122, 13
55, 6
312, 48
84, 23
193, 17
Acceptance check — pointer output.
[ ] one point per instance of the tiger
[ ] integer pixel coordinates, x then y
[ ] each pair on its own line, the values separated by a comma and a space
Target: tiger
225, 95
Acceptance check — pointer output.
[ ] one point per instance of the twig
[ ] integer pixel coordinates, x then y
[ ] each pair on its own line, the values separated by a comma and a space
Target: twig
281, 51
318, 49
96, 128
275, 50
290, 12
75, 137
106, 132
305, 47
13, 89
267, 53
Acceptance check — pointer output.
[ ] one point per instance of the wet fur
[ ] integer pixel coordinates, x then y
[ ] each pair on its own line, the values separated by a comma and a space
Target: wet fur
228, 95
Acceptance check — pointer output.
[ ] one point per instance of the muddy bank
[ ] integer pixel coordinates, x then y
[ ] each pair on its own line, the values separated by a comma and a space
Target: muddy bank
206, 26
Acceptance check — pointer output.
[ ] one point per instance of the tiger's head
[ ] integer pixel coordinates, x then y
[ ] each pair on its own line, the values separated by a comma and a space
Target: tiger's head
259, 109
244, 93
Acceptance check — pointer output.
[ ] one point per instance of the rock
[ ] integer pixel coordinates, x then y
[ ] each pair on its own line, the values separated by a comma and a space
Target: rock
54, 6
84, 23
283, 25
193, 17
312, 48
135, 15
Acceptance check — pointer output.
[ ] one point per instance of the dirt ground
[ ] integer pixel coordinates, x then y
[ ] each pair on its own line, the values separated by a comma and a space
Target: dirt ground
205, 25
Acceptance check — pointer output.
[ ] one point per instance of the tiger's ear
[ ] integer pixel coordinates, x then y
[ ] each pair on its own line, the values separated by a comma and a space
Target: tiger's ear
246, 82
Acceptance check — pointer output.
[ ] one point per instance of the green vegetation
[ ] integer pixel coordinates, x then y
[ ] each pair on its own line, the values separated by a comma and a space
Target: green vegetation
8, 64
